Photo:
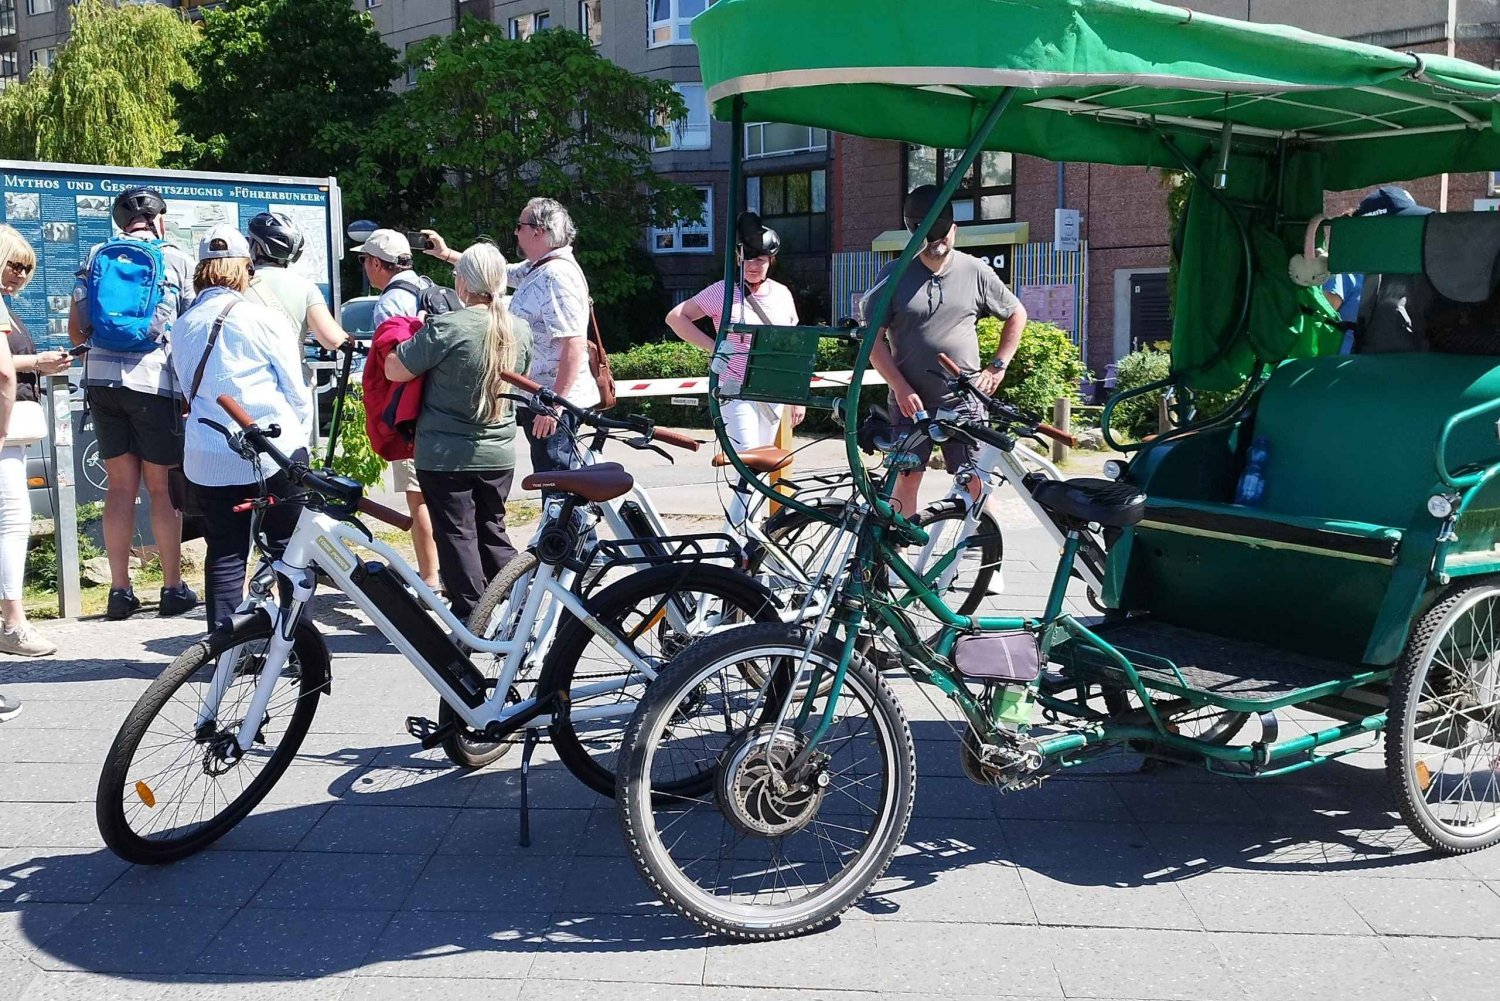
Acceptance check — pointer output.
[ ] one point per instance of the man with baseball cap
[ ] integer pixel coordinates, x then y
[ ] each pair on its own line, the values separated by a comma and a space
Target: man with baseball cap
228, 344
386, 258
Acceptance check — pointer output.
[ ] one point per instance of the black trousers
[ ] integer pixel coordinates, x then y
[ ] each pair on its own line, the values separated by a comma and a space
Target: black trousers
227, 534
468, 523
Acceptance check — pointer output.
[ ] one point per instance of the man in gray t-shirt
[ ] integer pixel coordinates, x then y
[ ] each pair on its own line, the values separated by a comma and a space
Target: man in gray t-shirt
936, 306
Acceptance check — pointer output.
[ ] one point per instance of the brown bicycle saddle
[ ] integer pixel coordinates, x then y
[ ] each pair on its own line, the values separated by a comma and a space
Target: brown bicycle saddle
766, 459
602, 482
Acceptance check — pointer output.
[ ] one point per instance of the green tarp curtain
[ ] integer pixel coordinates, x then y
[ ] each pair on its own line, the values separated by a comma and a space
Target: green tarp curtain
1116, 82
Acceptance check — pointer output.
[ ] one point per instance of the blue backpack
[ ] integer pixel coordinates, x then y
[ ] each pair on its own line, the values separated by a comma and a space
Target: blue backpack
127, 281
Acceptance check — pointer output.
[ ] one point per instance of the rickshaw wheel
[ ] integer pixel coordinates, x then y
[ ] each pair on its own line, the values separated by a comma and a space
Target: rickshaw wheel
1442, 750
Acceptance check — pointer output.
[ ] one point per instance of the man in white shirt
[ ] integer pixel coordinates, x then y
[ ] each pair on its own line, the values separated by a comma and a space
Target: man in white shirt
386, 257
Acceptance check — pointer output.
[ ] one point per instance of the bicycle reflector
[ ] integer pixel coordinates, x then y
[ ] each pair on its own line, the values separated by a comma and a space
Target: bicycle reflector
147, 796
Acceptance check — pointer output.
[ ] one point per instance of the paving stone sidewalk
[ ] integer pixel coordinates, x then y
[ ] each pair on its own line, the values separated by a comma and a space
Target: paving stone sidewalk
375, 871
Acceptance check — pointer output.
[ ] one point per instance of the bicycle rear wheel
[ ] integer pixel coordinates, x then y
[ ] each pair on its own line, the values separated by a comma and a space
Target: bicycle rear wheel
658, 612
737, 852
979, 554
170, 787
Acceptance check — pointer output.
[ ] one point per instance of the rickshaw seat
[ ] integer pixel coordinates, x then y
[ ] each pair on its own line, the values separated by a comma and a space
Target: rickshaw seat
1352, 446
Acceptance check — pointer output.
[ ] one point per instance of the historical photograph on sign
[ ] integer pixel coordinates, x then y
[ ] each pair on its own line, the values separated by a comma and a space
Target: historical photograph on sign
58, 303
23, 208
189, 221
57, 327
93, 206
60, 232
312, 220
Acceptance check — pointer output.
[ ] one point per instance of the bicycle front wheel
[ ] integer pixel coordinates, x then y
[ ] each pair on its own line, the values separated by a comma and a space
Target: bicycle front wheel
740, 852
172, 786
658, 612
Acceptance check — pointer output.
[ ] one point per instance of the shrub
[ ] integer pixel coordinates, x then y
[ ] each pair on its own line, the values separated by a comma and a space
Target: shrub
1138, 416
354, 457
1046, 366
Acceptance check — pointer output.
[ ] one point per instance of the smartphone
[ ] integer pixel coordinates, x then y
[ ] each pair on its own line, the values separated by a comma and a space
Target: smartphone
79, 350
418, 241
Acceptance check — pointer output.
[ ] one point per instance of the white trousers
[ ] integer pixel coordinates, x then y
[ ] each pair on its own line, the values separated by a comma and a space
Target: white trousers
749, 425
15, 521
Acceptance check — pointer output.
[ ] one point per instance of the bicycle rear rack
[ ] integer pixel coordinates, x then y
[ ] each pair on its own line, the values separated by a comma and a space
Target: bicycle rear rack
610, 554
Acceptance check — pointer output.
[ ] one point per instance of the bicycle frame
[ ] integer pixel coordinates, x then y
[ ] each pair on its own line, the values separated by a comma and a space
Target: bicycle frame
321, 543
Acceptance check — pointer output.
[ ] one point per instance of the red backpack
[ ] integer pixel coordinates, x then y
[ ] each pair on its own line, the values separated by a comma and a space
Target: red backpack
391, 408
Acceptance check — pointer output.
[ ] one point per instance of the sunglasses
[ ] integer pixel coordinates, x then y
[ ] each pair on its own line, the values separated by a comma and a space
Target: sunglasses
17, 267
529, 222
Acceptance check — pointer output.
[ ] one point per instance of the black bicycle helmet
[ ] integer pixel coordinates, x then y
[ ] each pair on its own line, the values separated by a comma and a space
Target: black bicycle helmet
918, 203
132, 203
755, 240
274, 237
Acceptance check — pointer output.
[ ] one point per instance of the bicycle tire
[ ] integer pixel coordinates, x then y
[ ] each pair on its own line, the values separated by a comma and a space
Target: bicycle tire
663, 715
581, 753
464, 751
987, 539
117, 782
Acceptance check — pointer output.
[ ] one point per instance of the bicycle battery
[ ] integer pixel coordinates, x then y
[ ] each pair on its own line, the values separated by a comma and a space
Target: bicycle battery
386, 590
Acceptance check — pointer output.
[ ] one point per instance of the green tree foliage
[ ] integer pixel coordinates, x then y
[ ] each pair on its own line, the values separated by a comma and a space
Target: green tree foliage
109, 97
504, 121
285, 86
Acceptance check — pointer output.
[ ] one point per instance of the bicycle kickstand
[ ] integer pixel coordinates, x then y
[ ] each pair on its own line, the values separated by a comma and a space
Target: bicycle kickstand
527, 749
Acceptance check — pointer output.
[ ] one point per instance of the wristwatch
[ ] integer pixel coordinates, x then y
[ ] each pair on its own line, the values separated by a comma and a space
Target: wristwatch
997, 364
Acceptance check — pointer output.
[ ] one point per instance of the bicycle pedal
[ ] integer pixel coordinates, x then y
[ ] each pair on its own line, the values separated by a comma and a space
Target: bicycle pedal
429, 733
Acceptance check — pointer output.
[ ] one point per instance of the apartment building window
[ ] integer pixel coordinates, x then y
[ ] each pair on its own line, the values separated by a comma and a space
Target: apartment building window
986, 194
774, 139
371, 3
670, 20
10, 69
43, 58
795, 206
38, 6
692, 130
7, 18
523, 27
414, 70
591, 20
688, 237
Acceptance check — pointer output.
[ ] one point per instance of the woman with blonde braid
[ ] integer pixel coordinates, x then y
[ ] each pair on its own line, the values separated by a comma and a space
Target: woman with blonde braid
465, 445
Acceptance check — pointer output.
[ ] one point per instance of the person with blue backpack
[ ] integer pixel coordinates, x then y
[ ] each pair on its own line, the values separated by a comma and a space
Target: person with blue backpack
129, 292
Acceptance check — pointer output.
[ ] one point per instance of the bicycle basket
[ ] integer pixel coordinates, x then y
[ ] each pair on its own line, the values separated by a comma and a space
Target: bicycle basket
778, 366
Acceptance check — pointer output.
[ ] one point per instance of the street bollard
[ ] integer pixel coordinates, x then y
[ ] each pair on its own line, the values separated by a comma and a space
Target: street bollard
64, 499
1062, 417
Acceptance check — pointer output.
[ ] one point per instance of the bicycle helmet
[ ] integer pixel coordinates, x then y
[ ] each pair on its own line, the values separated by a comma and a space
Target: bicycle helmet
755, 240
918, 203
274, 237
132, 203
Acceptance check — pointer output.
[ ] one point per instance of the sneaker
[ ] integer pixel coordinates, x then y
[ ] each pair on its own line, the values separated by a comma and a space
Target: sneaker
9, 709
26, 642
122, 604
177, 601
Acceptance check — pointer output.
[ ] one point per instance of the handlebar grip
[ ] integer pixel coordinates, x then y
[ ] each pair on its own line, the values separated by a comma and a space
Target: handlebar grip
390, 516
235, 411
949, 364
520, 381
680, 440
1057, 434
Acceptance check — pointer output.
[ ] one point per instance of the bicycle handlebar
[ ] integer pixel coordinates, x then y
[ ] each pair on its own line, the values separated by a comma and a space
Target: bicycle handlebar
595, 419
304, 476
1003, 411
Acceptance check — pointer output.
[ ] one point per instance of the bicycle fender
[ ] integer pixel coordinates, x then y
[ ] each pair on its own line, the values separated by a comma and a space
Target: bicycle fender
231, 633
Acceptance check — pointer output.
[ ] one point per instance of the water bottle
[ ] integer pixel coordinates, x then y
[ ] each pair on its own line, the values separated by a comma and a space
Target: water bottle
1252, 488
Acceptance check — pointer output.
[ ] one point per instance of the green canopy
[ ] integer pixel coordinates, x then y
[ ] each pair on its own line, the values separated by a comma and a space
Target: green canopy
1132, 83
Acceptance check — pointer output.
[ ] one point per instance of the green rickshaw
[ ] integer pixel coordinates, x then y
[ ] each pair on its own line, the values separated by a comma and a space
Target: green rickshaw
768, 773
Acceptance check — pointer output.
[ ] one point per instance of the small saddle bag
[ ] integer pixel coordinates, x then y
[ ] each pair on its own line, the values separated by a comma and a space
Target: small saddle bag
1011, 658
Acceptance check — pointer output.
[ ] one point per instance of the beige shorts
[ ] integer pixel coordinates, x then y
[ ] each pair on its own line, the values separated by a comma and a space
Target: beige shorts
404, 476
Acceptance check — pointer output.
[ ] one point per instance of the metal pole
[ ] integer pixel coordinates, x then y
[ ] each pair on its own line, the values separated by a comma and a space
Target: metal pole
64, 499
1450, 29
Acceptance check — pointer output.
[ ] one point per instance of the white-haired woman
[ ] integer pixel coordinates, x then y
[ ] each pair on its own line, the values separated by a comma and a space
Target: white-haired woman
465, 446
552, 301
